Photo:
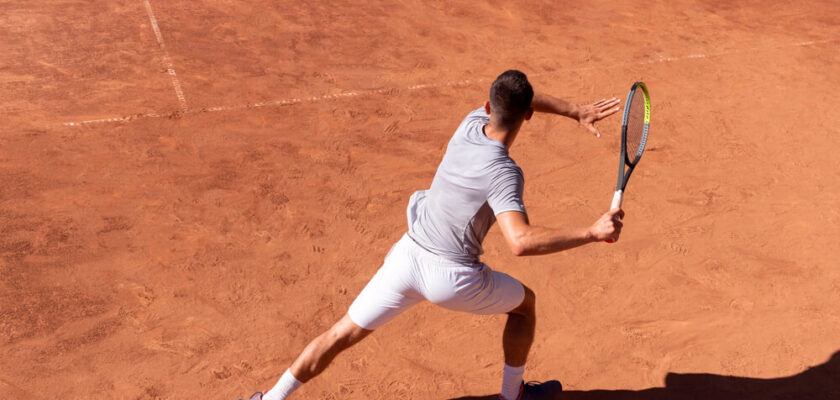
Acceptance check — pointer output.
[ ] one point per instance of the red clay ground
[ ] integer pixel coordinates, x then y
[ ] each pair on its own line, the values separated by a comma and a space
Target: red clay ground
192, 255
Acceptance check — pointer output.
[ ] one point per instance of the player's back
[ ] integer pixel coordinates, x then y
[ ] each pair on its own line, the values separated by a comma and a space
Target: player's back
476, 180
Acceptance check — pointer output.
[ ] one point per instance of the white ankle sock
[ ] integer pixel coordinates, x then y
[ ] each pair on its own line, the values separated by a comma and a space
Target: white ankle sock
284, 387
511, 381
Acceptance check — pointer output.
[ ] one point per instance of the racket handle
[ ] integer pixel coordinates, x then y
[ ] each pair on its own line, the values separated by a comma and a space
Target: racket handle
618, 197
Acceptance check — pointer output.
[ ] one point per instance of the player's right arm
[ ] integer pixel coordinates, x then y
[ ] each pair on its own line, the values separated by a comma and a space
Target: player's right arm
525, 239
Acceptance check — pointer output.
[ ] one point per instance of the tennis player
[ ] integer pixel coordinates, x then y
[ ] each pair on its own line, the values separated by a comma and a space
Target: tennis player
476, 184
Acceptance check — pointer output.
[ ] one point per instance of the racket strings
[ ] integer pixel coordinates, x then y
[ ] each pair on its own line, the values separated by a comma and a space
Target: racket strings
635, 126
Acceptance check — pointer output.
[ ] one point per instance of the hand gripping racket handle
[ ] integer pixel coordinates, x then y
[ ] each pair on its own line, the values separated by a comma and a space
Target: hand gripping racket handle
618, 197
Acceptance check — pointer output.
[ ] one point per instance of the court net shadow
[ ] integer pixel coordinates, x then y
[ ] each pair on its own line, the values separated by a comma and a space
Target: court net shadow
821, 382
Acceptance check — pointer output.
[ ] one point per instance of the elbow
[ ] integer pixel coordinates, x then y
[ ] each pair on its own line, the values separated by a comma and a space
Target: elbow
518, 249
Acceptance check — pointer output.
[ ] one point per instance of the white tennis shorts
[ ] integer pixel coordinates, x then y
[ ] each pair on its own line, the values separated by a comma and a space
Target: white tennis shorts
410, 274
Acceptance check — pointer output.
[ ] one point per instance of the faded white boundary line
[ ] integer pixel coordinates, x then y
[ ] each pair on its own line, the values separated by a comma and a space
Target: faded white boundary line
167, 61
466, 82
112, 119
745, 50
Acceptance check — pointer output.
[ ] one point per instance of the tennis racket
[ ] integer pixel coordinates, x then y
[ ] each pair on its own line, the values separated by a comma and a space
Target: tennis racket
634, 133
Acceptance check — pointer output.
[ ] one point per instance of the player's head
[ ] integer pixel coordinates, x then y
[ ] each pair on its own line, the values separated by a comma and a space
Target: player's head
510, 99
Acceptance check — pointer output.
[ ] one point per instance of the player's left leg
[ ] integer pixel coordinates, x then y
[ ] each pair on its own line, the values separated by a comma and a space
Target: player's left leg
323, 349
386, 296
317, 356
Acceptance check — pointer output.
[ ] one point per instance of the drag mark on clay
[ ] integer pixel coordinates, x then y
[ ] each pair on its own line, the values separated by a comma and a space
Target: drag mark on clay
387, 91
167, 61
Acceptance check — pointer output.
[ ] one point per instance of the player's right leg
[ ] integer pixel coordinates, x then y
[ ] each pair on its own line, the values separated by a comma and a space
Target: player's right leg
516, 343
519, 330
480, 290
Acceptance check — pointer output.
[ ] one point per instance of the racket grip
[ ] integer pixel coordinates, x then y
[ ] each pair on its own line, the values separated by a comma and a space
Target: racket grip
618, 197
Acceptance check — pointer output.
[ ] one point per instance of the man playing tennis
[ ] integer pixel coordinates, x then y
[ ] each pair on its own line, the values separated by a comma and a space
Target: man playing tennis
477, 183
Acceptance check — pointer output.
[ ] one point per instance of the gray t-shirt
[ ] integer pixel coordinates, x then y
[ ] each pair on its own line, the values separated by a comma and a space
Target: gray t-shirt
476, 181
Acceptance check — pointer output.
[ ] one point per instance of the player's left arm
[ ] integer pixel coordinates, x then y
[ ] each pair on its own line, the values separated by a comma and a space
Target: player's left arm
586, 114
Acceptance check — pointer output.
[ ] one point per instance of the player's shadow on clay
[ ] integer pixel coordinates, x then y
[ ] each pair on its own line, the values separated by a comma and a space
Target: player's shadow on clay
819, 382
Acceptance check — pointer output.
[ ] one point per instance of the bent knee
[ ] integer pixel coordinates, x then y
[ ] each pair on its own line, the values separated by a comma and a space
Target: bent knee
530, 297
528, 305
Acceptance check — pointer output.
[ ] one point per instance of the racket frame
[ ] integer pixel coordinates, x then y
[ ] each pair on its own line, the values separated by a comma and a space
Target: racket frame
624, 158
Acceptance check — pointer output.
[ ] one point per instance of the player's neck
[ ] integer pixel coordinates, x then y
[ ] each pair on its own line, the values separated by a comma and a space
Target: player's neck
501, 134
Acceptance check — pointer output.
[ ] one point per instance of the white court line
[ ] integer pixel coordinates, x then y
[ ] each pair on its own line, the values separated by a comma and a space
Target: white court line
112, 119
167, 61
466, 82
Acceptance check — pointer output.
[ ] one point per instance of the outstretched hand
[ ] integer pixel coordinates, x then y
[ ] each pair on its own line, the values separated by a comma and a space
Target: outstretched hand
591, 113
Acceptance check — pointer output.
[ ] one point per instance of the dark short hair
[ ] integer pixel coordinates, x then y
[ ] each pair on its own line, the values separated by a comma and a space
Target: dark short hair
510, 96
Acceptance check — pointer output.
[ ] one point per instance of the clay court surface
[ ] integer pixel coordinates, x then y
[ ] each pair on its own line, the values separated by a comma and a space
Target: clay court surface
183, 235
